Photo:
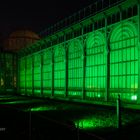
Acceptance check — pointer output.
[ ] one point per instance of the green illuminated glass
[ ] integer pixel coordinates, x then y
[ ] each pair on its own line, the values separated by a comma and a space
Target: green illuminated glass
22, 75
47, 72
37, 74
7, 72
95, 65
29, 75
75, 62
123, 43
124, 62
59, 70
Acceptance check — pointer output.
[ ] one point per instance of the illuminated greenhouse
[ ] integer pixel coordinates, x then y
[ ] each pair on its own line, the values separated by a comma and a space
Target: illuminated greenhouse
92, 56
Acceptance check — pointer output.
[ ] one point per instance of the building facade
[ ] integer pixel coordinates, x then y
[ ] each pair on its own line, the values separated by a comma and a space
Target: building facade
90, 56
9, 60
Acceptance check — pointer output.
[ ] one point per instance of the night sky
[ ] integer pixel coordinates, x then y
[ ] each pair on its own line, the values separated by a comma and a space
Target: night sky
36, 15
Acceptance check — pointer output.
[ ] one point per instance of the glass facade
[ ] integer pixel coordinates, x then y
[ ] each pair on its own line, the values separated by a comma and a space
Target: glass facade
45, 72
8, 72
96, 59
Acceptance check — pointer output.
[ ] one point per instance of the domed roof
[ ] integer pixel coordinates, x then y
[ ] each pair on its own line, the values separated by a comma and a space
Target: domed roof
20, 39
24, 34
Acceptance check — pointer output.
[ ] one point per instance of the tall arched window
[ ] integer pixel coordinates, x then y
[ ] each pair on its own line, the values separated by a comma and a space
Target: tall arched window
47, 72
124, 62
59, 70
95, 66
75, 73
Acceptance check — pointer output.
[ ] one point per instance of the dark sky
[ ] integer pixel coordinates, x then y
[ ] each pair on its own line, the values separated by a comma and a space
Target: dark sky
36, 15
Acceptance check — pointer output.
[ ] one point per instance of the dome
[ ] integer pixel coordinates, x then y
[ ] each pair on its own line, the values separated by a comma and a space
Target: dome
20, 39
24, 34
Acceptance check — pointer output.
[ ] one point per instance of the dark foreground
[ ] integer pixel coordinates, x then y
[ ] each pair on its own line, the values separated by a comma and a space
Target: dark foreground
24, 118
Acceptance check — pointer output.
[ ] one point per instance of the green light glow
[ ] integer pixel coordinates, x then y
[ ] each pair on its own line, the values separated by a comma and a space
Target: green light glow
9, 97
41, 108
85, 124
134, 97
2, 82
17, 102
37, 91
94, 122
99, 95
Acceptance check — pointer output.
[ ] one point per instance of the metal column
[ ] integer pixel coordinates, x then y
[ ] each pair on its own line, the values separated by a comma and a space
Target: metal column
107, 62
138, 93
66, 71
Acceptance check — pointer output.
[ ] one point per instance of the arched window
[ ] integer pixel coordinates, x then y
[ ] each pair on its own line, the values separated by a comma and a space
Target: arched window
59, 70
75, 63
124, 61
95, 65
47, 72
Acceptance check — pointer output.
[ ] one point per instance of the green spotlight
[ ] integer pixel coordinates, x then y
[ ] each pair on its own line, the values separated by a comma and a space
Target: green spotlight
134, 97
41, 108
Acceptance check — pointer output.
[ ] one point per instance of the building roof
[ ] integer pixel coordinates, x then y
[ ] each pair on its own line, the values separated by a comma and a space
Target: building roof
24, 34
